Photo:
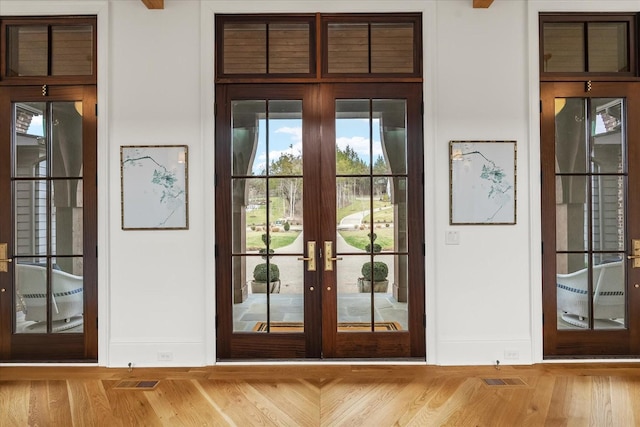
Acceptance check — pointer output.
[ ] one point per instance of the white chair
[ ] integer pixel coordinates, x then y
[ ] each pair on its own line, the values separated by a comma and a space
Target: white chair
67, 297
608, 291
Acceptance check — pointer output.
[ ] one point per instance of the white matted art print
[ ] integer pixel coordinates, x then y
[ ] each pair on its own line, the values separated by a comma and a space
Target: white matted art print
154, 180
483, 182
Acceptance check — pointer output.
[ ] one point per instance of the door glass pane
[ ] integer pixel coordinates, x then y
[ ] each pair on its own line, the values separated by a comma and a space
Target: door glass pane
354, 302
353, 137
608, 51
29, 144
607, 138
66, 150
267, 217
67, 299
609, 291
563, 47
249, 155
571, 140
72, 50
31, 295
572, 211
371, 214
30, 207
608, 213
285, 138
27, 47
67, 217
389, 136
590, 213
572, 290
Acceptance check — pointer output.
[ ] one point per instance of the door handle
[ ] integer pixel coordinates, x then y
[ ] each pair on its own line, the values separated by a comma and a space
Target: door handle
4, 261
328, 256
311, 256
635, 253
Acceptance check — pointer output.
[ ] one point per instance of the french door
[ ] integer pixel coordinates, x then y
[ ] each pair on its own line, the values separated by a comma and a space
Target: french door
319, 221
48, 301
590, 136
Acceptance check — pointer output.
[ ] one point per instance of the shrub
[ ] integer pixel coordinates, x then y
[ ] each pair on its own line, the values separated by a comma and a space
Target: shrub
380, 271
287, 226
376, 248
260, 273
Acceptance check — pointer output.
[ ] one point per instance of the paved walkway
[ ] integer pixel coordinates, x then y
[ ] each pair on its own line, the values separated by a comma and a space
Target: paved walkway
292, 270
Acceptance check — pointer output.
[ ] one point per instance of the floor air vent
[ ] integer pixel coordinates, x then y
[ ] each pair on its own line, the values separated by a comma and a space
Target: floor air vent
511, 382
137, 385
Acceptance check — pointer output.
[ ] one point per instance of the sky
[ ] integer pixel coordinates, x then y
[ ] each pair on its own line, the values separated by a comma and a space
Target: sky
286, 137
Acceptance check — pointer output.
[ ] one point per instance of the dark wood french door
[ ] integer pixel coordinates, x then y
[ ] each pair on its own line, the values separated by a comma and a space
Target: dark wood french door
590, 135
48, 229
319, 221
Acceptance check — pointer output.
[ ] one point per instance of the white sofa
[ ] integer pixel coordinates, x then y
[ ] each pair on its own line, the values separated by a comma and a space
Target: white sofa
67, 299
608, 294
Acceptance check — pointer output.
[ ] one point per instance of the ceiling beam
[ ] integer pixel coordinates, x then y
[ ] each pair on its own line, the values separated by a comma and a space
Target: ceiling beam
481, 4
159, 4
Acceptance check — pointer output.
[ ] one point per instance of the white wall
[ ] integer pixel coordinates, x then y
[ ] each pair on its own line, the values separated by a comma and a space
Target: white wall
156, 87
480, 301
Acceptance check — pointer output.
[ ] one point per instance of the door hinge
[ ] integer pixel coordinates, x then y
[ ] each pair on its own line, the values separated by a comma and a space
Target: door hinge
215, 250
424, 320
96, 251
541, 105
422, 108
216, 321
424, 249
96, 323
96, 106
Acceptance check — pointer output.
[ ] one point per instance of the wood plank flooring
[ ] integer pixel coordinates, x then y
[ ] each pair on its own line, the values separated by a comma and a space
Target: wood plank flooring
324, 395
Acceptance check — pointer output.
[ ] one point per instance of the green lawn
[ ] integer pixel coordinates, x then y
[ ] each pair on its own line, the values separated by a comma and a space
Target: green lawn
259, 216
360, 205
278, 240
359, 238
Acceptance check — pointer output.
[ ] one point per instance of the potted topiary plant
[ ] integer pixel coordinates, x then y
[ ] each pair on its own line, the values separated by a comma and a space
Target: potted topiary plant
266, 275
373, 273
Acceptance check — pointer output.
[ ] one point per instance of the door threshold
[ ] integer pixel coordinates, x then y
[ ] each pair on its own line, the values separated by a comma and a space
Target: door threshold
265, 362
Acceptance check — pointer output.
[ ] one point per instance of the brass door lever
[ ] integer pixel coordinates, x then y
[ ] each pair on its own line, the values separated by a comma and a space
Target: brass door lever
311, 256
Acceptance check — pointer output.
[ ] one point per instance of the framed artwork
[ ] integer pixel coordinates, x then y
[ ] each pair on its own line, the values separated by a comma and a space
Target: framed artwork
154, 187
482, 182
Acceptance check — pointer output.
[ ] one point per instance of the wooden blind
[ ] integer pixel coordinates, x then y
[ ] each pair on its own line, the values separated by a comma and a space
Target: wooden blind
245, 48
60, 48
392, 48
608, 47
370, 48
287, 46
27, 51
72, 50
248, 45
348, 48
580, 43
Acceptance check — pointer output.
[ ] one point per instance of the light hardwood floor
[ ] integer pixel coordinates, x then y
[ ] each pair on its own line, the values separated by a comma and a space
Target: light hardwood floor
324, 395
